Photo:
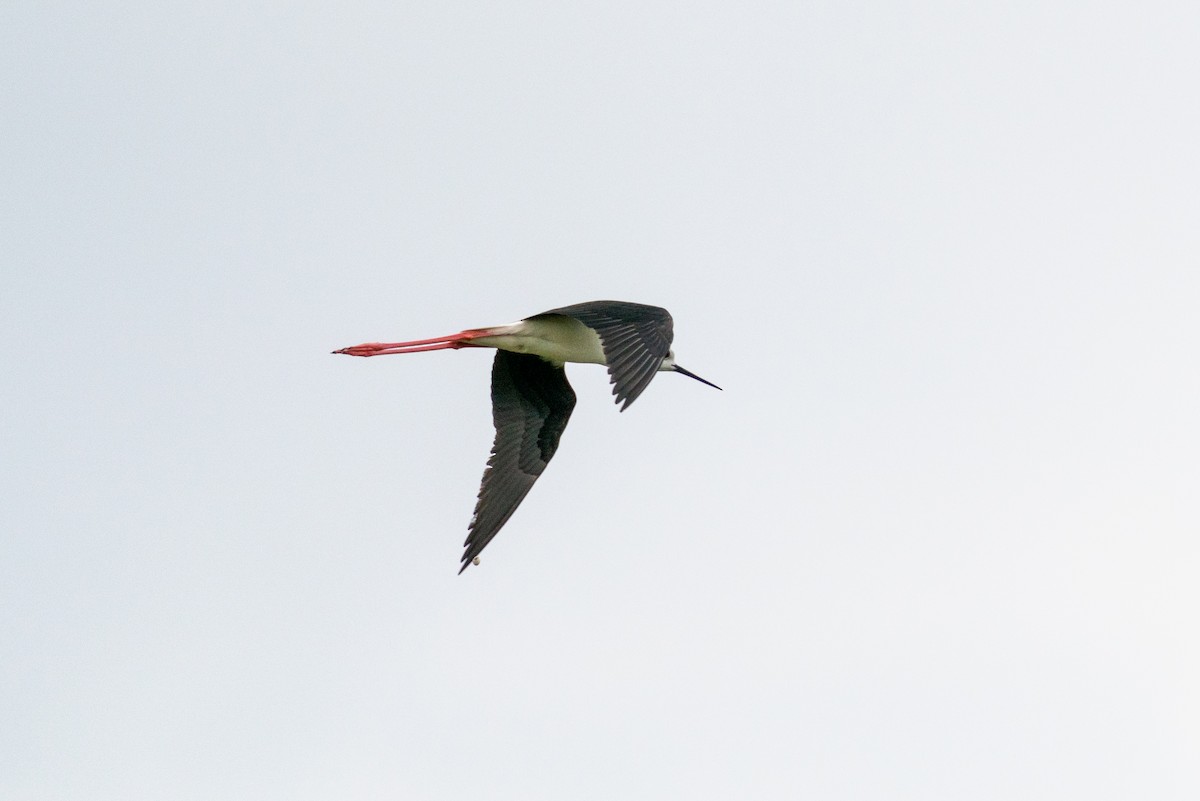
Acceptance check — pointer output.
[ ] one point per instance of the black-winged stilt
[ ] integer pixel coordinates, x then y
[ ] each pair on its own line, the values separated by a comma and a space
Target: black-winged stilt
531, 399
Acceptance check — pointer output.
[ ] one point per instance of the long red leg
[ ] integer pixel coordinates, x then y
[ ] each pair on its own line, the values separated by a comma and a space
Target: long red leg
453, 342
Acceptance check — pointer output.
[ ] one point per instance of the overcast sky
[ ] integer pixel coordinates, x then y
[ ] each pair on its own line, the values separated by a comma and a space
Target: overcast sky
937, 539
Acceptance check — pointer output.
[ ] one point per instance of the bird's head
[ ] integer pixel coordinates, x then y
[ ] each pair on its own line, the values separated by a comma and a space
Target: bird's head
669, 365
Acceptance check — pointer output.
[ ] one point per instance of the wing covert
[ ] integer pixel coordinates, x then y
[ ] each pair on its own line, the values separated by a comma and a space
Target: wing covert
635, 337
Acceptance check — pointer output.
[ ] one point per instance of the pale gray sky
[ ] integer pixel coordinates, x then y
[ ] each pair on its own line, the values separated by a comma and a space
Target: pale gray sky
938, 539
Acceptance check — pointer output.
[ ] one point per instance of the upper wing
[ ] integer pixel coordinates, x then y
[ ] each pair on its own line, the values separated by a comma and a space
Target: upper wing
635, 338
531, 404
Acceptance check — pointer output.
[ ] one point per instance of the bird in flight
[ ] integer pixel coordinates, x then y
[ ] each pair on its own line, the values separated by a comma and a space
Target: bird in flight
531, 399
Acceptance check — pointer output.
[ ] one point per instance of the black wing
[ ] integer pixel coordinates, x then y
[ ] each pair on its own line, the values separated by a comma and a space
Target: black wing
635, 338
531, 404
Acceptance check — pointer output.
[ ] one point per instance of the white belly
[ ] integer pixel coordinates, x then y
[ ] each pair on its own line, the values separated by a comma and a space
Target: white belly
556, 339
